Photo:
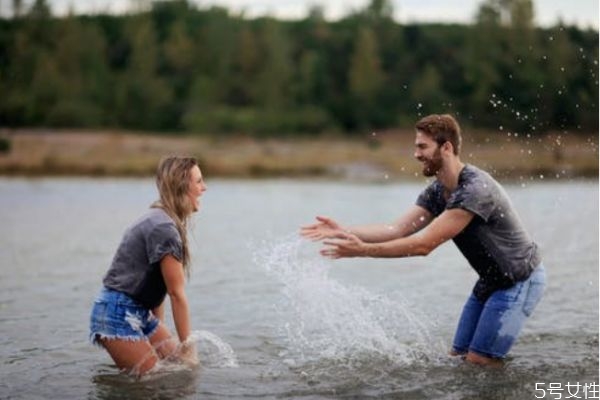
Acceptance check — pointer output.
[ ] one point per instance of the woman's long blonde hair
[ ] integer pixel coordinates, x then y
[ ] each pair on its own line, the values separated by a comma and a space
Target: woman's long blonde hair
172, 181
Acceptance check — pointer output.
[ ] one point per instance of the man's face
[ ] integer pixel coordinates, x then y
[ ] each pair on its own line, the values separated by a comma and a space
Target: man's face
428, 152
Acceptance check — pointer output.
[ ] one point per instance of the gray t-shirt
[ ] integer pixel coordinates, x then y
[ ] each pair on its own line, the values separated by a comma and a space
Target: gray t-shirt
495, 242
135, 268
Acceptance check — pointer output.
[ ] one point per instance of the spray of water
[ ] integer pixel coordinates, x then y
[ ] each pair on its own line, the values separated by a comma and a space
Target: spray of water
200, 348
326, 322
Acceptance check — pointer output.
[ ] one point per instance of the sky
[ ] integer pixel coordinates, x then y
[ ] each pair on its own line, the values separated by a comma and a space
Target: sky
583, 13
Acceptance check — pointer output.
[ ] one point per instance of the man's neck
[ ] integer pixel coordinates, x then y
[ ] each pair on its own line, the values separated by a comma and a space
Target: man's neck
448, 174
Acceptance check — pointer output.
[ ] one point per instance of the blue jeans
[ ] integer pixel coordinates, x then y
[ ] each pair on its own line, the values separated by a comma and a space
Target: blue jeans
115, 315
490, 328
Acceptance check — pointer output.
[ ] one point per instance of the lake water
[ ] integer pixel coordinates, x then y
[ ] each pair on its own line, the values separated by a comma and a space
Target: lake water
275, 320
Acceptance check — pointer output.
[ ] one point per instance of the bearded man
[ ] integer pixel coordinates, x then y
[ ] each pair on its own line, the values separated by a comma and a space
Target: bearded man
467, 205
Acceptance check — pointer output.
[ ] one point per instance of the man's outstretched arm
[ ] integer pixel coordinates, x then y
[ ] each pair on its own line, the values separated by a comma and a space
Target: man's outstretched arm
449, 224
412, 221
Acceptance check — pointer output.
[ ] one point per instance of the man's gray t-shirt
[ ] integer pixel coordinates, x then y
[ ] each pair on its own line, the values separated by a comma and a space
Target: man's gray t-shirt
135, 268
495, 242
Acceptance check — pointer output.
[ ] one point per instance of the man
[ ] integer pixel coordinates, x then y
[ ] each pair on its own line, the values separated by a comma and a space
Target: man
467, 205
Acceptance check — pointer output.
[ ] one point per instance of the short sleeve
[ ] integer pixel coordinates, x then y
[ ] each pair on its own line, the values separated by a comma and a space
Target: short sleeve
431, 199
163, 240
475, 196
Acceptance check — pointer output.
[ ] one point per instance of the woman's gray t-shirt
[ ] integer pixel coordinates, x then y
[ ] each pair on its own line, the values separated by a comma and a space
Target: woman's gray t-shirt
495, 242
135, 268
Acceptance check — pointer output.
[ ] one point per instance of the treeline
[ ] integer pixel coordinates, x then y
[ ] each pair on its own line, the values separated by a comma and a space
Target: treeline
176, 67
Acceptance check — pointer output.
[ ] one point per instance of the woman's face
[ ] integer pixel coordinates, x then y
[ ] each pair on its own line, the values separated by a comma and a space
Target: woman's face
196, 187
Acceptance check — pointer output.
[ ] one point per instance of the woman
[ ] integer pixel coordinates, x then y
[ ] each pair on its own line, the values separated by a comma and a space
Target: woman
152, 260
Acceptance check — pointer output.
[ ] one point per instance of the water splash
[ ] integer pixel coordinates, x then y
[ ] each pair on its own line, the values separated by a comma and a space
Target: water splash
330, 324
214, 352
200, 348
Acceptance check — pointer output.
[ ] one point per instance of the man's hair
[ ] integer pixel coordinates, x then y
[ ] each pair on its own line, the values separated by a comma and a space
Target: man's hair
442, 129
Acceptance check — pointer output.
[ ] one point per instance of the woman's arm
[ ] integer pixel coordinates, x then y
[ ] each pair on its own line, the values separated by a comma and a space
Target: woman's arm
172, 271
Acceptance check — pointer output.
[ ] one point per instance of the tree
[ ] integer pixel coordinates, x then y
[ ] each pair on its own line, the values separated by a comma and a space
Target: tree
276, 68
143, 97
246, 65
82, 79
365, 75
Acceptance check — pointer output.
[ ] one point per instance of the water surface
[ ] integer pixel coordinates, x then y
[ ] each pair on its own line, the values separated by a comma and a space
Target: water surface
299, 326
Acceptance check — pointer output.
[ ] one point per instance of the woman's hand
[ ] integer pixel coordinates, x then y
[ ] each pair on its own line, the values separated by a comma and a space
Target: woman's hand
325, 228
187, 353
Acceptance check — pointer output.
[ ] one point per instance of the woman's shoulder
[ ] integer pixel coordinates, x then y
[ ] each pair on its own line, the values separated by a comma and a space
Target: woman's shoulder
155, 218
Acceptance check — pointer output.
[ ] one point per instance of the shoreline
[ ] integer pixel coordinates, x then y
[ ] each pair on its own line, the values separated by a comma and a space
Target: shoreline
377, 156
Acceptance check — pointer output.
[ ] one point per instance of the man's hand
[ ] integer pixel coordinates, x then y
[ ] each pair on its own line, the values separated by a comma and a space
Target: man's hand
345, 245
324, 229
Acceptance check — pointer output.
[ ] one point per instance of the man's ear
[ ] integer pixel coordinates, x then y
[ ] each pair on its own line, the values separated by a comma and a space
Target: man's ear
448, 147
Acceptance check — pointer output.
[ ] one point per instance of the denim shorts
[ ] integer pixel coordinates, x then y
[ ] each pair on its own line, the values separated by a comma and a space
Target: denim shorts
115, 315
490, 328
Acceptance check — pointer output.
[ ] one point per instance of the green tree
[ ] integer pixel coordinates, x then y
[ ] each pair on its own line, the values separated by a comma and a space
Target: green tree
427, 90
82, 76
365, 75
142, 96
276, 67
246, 65
365, 78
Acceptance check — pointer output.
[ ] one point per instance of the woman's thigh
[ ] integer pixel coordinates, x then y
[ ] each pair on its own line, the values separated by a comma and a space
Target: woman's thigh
163, 342
136, 357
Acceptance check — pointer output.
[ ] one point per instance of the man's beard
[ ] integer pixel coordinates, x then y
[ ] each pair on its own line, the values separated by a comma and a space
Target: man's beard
432, 166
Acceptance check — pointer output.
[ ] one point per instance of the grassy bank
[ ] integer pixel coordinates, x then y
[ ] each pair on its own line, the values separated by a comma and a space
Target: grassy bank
375, 156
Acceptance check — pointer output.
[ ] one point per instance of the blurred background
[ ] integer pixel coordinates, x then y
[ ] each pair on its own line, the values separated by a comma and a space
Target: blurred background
249, 86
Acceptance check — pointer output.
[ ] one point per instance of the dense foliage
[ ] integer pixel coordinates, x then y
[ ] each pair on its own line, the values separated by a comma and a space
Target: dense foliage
176, 67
